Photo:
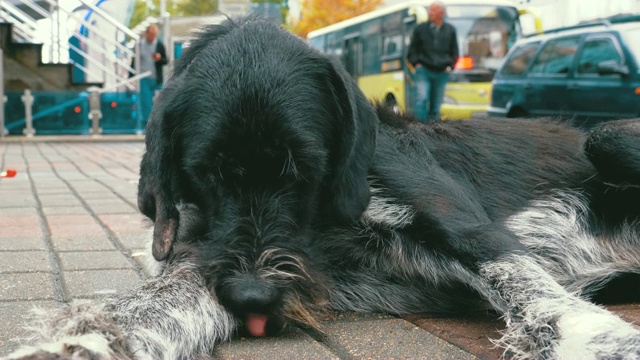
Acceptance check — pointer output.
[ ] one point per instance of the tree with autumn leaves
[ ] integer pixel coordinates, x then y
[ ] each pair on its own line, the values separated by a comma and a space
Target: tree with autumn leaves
315, 14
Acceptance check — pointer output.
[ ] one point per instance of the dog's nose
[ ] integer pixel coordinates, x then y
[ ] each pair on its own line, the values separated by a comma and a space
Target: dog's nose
252, 295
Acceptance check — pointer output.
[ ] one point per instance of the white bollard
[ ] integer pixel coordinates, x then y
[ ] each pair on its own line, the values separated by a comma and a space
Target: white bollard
27, 99
95, 114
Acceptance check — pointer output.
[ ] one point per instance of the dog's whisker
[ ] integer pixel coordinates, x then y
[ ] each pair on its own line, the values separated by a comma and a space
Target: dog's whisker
274, 272
297, 311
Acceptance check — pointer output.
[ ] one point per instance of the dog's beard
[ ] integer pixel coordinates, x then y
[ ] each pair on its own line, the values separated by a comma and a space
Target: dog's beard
301, 291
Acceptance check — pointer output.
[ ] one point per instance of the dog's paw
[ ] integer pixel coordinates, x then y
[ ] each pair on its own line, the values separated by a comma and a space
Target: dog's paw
87, 346
596, 336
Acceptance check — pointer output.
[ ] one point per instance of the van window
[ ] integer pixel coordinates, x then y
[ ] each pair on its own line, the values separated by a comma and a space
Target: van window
520, 59
556, 57
632, 39
596, 50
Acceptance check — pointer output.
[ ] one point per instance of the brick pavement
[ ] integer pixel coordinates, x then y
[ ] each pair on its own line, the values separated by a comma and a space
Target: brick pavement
69, 228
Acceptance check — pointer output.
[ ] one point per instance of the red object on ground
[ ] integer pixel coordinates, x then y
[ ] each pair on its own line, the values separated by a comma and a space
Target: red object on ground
9, 173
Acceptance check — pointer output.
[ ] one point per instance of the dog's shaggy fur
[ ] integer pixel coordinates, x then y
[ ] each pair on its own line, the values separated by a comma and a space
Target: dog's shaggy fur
278, 191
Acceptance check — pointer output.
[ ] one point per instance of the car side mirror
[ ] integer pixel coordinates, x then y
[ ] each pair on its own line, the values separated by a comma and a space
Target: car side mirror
610, 67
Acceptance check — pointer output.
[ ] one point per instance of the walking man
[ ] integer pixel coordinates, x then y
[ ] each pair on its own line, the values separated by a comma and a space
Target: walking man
153, 57
433, 52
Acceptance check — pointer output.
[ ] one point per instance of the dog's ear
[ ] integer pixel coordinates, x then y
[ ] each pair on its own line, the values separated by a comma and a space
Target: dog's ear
154, 204
157, 192
356, 126
156, 200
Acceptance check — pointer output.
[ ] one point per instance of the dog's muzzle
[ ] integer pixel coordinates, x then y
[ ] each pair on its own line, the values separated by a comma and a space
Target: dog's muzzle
253, 300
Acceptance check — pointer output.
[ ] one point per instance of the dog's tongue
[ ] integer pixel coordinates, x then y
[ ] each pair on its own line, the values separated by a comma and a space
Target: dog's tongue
256, 324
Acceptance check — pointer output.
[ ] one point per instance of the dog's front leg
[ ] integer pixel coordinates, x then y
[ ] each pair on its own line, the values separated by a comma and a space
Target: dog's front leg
172, 316
544, 321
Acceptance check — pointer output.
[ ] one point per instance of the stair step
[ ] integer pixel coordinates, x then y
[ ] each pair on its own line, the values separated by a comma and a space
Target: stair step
29, 55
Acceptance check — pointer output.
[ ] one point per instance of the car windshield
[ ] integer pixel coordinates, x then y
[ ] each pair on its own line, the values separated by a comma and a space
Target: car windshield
632, 38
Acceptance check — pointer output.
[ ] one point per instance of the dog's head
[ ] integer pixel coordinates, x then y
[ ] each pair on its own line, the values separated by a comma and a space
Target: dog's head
268, 139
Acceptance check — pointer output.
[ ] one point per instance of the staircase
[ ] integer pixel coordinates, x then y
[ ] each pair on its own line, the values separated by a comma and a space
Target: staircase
94, 63
24, 69
56, 59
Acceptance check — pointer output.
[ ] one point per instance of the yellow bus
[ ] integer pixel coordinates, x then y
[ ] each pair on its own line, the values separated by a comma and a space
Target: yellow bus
373, 48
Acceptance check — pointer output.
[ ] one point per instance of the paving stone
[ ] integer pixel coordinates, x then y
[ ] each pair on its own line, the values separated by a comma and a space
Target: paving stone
20, 221
17, 200
70, 175
92, 283
20, 225
21, 242
91, 260
294, 344
49, 200
111, 200
18, 184
46, 189
89, 196
15, 211
33, 230
353, 316
26, 286
24, 261
130, 229
21, 180
89, 242
118, 208
14, 314
65, 210
472, 333
389, 339
71, 220
88, 186
628, 312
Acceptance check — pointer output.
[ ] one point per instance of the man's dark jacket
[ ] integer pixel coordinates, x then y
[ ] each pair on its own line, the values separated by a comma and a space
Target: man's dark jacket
434, 49
159, 64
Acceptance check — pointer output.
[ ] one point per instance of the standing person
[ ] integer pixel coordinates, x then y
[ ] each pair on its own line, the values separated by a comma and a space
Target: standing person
433, 52
153, 57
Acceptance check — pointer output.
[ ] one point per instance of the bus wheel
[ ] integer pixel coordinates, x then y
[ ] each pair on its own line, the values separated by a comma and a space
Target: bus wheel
391, 103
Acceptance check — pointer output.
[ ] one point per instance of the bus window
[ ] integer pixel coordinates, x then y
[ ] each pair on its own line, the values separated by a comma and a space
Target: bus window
317, 42
370, 55
485, 34
391, 22
371, 27
391, 53
371, 30
335, 44
392, 46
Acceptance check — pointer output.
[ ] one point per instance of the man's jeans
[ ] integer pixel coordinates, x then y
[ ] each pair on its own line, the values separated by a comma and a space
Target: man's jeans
148, 89
430, 87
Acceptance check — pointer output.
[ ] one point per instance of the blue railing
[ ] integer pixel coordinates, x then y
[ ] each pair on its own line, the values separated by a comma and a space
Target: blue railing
58, 113
119, 113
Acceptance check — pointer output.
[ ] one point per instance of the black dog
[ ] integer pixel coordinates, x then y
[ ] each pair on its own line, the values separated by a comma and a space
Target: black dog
306, 194
269, 173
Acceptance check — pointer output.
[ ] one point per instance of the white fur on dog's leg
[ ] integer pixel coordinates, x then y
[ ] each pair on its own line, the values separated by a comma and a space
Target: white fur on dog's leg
597, 336
544, 321
172, 316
